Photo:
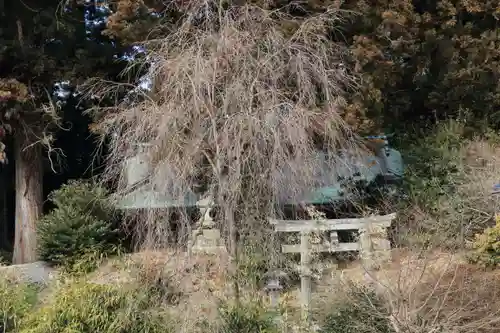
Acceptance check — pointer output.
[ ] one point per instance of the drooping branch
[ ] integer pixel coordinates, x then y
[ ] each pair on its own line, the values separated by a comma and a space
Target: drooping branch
238, 100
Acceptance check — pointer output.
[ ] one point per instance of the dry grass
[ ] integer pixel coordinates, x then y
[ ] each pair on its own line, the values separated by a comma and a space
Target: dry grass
431, 292
237, 104
464, 205
199, 283
449, 297
444, 293
424, 292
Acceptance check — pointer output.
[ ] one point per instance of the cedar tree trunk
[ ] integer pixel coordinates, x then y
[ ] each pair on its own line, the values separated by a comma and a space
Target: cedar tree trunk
29, 198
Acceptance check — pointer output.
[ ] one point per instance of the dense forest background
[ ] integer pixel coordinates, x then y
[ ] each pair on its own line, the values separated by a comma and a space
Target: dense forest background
416, 64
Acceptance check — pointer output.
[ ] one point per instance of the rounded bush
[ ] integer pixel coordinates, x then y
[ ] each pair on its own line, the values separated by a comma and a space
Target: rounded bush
487, 247
83, 307
81, 225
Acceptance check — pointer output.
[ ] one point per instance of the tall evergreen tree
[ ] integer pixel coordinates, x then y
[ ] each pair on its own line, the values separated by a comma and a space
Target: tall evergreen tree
43, 43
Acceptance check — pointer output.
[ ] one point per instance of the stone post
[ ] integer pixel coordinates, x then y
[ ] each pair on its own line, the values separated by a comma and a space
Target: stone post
375, 247
205, 238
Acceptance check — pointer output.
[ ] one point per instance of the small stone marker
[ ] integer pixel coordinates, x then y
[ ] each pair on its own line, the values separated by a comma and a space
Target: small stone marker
206, 238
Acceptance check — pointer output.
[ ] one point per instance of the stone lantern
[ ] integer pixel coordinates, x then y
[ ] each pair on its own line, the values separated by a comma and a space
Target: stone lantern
273, 286
205, 238
273, 289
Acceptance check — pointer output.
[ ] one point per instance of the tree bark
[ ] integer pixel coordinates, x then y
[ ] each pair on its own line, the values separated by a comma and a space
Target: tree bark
4, 221
29, 198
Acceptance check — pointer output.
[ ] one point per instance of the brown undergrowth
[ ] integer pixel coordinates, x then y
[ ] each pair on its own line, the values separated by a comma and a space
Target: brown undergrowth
416, 292
424, 292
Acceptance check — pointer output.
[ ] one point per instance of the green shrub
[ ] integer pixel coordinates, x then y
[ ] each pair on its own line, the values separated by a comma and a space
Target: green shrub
81, 226
449, 176
434, 164
16, 301
487, 247
364, 312
250, 318
83, 307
